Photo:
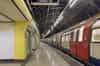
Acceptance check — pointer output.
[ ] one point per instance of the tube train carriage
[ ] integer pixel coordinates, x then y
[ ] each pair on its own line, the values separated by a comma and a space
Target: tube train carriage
18, 31
81, 41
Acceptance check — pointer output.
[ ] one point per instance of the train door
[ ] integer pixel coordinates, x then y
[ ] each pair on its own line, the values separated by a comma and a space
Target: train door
72, 47
7, 40
73, 44
60, 41
83, 45
56, 40
65, 41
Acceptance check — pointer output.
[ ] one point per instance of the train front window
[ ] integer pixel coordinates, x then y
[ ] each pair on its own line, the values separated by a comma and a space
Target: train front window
95, 35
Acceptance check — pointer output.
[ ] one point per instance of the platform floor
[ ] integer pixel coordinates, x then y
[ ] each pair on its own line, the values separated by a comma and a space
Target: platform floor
45, 56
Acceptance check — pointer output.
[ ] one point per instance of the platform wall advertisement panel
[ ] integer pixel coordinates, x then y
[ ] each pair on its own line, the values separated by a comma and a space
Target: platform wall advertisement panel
6, 40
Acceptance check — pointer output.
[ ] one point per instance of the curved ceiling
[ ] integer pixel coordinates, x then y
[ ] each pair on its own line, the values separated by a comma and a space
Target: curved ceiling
8, 8
75, 14
14, 10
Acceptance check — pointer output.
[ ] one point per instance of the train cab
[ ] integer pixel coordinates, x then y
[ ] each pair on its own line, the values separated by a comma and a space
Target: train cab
95, 43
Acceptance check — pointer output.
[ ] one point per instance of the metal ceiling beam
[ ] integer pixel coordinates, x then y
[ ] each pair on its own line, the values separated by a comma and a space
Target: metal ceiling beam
7, 17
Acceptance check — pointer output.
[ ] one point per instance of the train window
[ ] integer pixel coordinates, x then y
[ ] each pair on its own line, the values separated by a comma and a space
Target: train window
63, 38
75, 35
81, 34
67, 37
96, 35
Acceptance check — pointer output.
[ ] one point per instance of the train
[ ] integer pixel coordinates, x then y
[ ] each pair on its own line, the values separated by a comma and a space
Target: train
81, 41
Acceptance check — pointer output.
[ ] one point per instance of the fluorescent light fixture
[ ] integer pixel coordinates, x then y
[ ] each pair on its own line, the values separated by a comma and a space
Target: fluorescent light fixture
59, 19
40, 3
57, 22
72, 3
47, 32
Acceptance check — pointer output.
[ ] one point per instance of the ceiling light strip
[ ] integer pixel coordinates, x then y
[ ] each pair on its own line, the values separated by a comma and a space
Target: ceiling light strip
38, 3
